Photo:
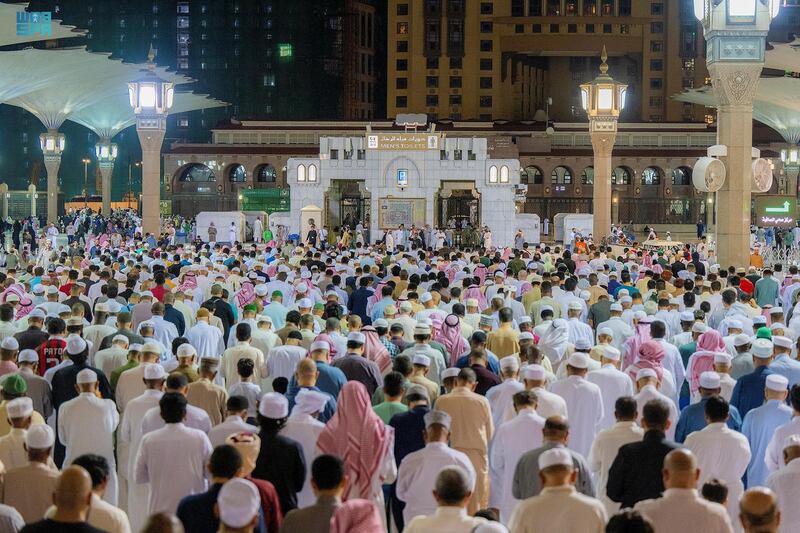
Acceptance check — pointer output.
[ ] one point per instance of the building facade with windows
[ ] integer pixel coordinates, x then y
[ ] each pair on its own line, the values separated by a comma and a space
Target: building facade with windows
506, 59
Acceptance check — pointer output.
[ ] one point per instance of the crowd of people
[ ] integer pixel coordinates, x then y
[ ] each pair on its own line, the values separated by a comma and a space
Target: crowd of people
301, 387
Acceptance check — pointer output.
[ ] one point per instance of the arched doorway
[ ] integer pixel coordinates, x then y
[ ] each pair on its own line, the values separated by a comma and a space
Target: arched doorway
195, 189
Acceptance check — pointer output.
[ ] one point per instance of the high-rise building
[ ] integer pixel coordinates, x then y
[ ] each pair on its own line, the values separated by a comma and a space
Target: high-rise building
507, 59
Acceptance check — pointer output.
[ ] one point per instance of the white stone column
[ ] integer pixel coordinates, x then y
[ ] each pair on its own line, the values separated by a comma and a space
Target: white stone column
603, 145
735, 86
106, 170
32, 194
52, 164
4, 195
151, 140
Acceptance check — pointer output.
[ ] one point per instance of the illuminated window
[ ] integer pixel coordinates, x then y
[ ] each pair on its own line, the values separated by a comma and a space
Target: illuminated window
504, 174
493, 174
312, 173
285, 51
301, 173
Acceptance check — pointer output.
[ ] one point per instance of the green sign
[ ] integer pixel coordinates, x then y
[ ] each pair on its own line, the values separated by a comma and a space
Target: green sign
285, 51
269, 200
782, 209
775, 210
165, 207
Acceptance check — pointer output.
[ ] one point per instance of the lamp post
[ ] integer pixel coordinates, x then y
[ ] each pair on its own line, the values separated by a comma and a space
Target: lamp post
85, 162
106, 153
151, 99
52, 143
735, 33
130, 186
603, 99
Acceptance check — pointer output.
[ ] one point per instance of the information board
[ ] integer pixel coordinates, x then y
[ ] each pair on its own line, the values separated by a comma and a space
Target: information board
396, 211
776, 210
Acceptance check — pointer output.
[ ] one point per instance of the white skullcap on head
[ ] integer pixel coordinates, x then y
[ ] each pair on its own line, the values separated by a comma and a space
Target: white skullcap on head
421, 359
305, 303
436, 416
645, 373
783, 342
20, 407
533, 372
611, 353
186, 350
583, 344
261, 290
9, 343
471, 302
426, 297
154, 371
264, 318
310, 401
114, 306
762, 348
151, 347
606, 331
777, 382
616, 307
574, 306
357, 336
510, 361
75, 344
120, 338
525, 319
40, 437
722, 358
86, 376
320, 345
688, 316
135, 347
625, 299
578, 360
709, 380
238, 502
28, 356
776, 311
450, 372
526, 336
406, 306
555, 457
274, 405
741, 339
699, 327
37, 313
734, 323
52, 289
760, 319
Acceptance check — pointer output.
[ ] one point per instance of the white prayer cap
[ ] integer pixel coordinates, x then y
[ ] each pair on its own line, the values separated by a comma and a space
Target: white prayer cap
606, 331
120, 338
75, 344
777, 340
147, 324
186, 350
615, 307
86, 376
238, 502
555, 457
37, 313
777, 382
625, 298
578, 360
264, 318
261, 290
305, 303
151, 347
114, 307
301, 289
639, 315
762, 348
688, 316
699, 327
776, 326
533, 372
734, 323
526, 336
40, 437
52, 289
723, 358
525, 319
791, 441
28, 356
546, 307
20, 407
154, 371
709, 380
451, 372
38, 289
776, 311
381, 323
490, 527
422, 329
406, 306
741, 339
102, 307
574, 306
645, 373
146, 294
583, 344
320, 345
135, 347
437, 417
273, 405
421, 359
471, 302
623, 292
611, 353
510, 362
310, 401
357, 337
9, 343
426, 297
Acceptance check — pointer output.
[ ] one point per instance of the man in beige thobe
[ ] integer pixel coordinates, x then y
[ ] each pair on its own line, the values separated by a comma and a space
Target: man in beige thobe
204, 394
471, 431
29, 489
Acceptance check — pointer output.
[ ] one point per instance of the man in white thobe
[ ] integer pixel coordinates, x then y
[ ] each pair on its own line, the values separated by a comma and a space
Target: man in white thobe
129, 438
418, 471
681, 509
98, 330
607, 444
263, 337
206, 339
163, 331
235, 416
584, 402
283, 360
86, 424
784, 483
131, 382
304, 427
512, 440
172, 459
196, 418
112, 357
647, 384
613, 383
721, 452
620, 329
547, 403
501, 397
242, 350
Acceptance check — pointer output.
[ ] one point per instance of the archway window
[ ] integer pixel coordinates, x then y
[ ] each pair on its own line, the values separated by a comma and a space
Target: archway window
621, 176
237, 174
651, 176
312, 172
197, 173
587, 176
561, 176
504, 174
682, 176
535, 175
492, 174
266, 174
301, 173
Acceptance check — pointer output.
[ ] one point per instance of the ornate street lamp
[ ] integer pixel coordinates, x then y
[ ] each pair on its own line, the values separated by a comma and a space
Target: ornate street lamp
53, 144
106, 153
151, 99
603, 99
